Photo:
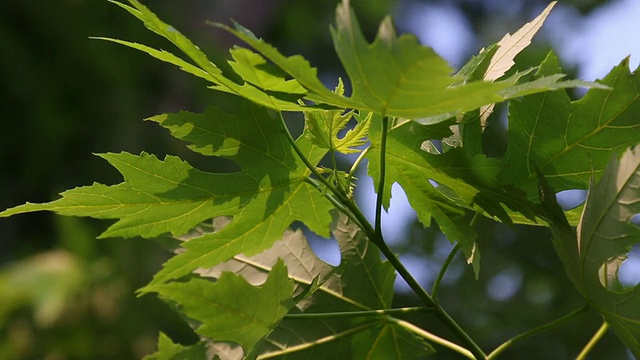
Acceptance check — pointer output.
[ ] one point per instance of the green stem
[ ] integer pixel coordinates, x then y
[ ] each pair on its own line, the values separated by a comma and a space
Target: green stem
550, 325
433, 338
399, 266
443, 270
375, 235
428, 300
356, 164
308, 164
324, 340
338, 199
594, 340
399, 311
339, 186
381, 177
452, 254
338, 205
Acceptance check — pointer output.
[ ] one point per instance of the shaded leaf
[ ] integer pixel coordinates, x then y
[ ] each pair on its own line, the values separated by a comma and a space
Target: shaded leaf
361, 282
604, 238
167, 350
567, 139
230, 309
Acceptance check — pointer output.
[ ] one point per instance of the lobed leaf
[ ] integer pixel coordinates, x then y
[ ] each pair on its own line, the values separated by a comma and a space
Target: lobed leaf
361, 282
261, 84
442, 187
605, 235
230, 309
167, 350
568, 139
395, 76
508, 47
324, 126
170, 196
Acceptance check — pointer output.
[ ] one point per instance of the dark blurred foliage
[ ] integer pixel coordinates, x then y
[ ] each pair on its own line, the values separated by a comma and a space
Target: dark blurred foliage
64, 96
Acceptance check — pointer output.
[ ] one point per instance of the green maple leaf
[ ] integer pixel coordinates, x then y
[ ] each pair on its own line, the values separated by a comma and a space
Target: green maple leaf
443, 186
263, 84
170, 196
361, 282
605, 235
323, 128
167, 350
230, 309
568, 139
396, 76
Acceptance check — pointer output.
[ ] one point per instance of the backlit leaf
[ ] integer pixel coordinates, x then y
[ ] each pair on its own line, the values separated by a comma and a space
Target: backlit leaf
265, 88
605, 235
170, 196
508, 47
567, 139
396, 76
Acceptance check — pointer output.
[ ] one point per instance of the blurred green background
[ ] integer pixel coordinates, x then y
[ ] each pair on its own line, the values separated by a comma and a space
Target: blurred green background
66, 295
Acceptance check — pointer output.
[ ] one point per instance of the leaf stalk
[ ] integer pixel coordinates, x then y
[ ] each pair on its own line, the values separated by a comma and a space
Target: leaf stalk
548, 326
365, 313
594, 340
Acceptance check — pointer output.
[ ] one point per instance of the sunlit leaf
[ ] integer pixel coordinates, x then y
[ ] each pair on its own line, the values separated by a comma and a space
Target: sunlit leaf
566, 139
395, 75
508, 47
169, 196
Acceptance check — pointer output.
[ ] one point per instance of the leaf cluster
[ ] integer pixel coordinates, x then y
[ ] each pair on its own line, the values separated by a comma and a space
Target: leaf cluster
253, 288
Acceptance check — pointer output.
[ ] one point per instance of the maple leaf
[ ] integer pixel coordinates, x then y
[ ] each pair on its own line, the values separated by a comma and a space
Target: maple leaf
361, 282
170, 196
396, 76
323, 128
263, 84
230, 309
443, 186
167, 350
605, 235
508, 47
568, 139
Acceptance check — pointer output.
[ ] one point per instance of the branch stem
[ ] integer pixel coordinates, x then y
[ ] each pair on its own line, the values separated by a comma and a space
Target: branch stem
381, 178
548, 326
443, 270
378, 239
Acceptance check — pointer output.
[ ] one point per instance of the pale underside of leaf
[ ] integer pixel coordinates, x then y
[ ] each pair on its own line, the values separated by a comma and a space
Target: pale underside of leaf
508, 47
361, 282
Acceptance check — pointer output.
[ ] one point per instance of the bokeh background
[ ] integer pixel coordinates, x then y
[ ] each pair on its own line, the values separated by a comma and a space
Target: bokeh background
63, 97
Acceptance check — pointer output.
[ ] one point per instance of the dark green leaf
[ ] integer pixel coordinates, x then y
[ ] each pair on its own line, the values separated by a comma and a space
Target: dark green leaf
230, 309
361, 282
167, 350
604, 238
